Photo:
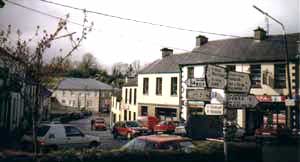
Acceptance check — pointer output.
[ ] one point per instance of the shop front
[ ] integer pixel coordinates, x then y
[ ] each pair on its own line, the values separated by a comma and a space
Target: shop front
270, 112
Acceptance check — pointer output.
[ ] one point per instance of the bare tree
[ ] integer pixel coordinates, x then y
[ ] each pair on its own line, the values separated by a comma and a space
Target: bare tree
32, 59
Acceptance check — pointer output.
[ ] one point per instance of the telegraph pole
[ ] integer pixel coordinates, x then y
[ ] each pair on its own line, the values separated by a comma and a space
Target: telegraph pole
290, 120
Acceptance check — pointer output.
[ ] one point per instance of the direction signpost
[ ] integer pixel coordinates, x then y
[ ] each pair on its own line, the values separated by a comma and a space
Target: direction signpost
198, 94
238, 82
240, 101
196, 82
214, 109
215, 77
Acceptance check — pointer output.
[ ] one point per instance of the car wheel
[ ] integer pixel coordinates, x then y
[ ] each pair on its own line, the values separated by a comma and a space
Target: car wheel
94, 144
129, 136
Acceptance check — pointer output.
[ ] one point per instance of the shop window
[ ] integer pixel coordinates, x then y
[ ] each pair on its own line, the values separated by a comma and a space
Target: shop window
255, 73
279, 70
174, 86
158, 86
190, 72
144, 110
146, 86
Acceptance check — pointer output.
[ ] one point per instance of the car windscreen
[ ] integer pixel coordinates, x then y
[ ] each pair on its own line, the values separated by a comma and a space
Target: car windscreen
132, 124
41, 131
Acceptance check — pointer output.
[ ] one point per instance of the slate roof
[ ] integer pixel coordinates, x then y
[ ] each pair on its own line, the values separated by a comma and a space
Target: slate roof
237, 50
131, 83
82, 84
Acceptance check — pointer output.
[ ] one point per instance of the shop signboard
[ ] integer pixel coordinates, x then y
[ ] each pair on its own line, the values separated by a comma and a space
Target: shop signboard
240, 101
196, 82
215, 77
214, 109
238, 82
198, 94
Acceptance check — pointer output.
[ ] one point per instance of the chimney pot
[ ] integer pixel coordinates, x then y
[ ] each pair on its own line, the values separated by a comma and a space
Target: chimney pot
200, 40
165, 52
260, 34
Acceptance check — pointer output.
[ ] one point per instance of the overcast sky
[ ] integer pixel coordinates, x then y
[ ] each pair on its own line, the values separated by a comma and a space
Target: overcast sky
117, 40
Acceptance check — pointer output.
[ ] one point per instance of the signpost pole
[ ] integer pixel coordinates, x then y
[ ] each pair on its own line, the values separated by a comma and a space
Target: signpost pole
225, 135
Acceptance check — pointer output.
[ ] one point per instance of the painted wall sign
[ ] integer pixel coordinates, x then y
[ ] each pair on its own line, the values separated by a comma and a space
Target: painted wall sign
198, 94
238, 82
215, 77
196, 82
240, 101
214, 109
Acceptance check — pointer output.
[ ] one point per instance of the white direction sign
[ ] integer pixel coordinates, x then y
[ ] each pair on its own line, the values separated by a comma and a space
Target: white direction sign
198, 94
215, 77
196, 82
238, 82
240, 101
290, 102
214, 109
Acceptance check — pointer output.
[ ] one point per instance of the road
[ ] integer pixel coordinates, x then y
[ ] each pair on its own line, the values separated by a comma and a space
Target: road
107, 141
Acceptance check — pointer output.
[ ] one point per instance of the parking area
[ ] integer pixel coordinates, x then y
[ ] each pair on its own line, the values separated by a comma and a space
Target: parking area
107, 141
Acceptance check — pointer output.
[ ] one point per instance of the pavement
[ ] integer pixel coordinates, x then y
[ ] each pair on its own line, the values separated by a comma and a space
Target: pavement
107, 140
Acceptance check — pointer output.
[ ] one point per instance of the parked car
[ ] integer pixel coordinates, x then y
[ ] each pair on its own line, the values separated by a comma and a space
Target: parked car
76, 115
273, 131
98, 124
180, 129
148, 121
128, 129
159, 143
165, 127
53, 136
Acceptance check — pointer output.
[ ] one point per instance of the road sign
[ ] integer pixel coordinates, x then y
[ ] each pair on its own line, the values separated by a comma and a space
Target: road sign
215, 77
240, 101
196, 82
195, 104
238, 82
214, 109
290, 102
217, 96
198, 94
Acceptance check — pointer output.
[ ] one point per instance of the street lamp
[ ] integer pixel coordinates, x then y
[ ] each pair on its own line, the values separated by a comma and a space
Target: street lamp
286, 59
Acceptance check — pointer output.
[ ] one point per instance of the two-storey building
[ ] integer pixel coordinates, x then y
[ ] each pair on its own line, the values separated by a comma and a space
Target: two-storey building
158, 87
81, 93
264, 58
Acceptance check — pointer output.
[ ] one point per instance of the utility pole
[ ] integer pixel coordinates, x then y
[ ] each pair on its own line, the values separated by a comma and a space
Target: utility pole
289, 123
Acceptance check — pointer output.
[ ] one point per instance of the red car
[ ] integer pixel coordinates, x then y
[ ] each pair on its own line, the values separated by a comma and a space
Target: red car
128, 129
166, 126
273, 131
98, 124
148, 121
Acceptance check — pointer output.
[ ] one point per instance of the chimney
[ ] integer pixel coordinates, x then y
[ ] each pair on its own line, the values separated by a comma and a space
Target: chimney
200, 40
165, 52
260, 34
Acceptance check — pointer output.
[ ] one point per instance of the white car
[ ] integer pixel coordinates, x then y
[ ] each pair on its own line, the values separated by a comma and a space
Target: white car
53, 136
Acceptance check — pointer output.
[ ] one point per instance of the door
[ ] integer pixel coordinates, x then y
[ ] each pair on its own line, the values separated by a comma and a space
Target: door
75, 138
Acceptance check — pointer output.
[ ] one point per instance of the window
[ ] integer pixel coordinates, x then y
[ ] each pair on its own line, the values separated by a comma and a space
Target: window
96, 93
255, 73
230, 67
158, 86
146, 86
63, 101
70, 102
129, 115
134, 115
72, 93
130, 95
87, 93
279, 76
125, 115
63, 93
144, 110
190, 72
72, 131
89, 103
126, 95
174, 86
41, 131
134, 96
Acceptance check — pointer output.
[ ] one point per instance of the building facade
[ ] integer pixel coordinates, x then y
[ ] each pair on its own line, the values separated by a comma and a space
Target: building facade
263, 57
77, 94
